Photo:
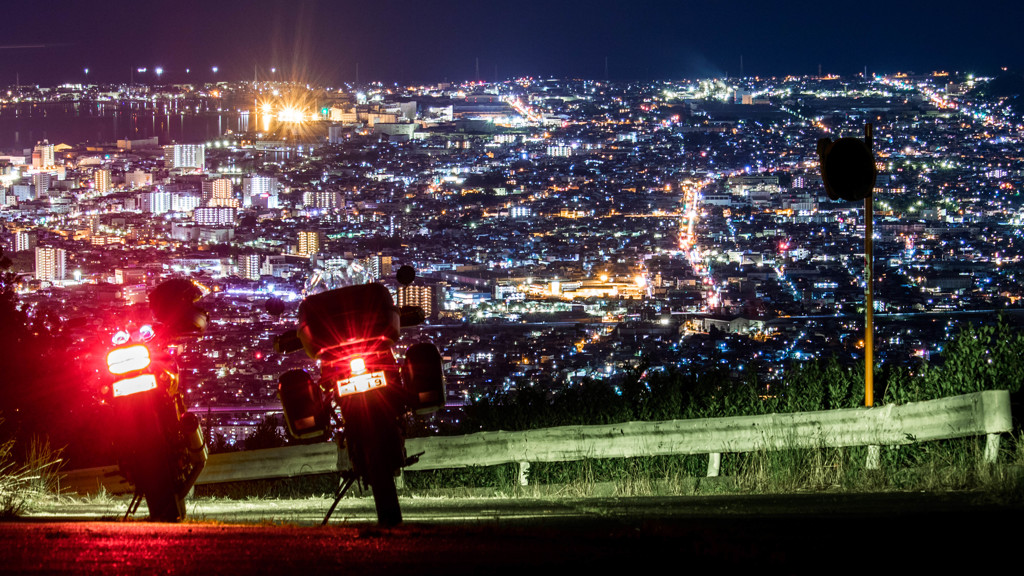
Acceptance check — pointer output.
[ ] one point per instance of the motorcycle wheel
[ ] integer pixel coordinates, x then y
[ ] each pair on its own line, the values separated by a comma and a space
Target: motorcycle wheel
157, 485
165, 506
385, 498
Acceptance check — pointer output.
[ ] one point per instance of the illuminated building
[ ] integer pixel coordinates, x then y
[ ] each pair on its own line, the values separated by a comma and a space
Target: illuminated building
207, 192
24, 240
321, 199
184, 202
256, 186
138, 179
155, 201
129, 276
42, 182
379, 266
265, 201
24, 192
134, 293
101, 181
415, 295
185, 157
220, 195
249, 266
309, 242
520, 212
336, 134
214, 216
396, 131
51, 263
42, 155
136, 144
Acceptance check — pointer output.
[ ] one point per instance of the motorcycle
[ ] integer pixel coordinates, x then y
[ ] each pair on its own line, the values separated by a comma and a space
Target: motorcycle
352, 331
159, 445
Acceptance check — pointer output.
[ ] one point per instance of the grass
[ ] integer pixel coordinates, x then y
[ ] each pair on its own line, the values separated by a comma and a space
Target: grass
936, 466
930, 466
23, 485
296, 487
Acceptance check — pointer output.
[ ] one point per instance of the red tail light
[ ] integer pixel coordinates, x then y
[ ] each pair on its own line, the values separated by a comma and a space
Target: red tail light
128, 359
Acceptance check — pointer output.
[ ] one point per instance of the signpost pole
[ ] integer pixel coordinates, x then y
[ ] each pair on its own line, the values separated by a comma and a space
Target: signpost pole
869, 291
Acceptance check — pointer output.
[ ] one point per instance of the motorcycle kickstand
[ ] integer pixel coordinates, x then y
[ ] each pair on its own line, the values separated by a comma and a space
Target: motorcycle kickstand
133, 506
342, 489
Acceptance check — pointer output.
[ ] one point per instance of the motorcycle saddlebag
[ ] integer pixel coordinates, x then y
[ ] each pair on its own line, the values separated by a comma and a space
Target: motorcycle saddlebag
424, 377
303, 405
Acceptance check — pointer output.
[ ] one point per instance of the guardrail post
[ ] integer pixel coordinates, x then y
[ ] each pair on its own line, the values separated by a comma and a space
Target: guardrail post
874, 461
991, 448
400, 480
714, 464
524, 473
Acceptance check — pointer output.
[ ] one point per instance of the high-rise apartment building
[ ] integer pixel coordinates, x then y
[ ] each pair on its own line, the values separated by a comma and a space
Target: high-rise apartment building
24, 192
220, 194
42, 155
184, 202
42, 181
309, 242
321, 199
379, 266
51, 263
155, 201
24, 240
249, 266
418, 295
185, 157
222, 216
257, 186
101, 180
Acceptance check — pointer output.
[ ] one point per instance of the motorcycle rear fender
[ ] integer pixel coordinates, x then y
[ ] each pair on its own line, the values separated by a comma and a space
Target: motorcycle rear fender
372, 430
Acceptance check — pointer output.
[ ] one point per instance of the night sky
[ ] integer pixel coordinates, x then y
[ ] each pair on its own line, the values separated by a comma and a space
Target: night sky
435, 40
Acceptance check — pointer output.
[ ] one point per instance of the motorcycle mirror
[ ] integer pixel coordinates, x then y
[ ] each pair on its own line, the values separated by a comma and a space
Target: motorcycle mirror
275, 306
287, 342
411, 316
173, 304
406, 274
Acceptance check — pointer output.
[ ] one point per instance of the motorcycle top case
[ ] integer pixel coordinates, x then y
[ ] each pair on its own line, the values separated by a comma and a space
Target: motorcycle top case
423, 375
348, 316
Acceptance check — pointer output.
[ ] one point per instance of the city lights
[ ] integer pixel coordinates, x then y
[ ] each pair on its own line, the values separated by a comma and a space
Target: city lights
574, 234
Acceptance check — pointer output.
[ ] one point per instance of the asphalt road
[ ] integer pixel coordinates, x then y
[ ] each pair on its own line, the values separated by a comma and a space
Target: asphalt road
791, 534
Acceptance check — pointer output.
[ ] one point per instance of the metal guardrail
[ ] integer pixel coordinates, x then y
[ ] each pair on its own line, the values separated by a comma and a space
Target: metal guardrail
227, 467
981, 413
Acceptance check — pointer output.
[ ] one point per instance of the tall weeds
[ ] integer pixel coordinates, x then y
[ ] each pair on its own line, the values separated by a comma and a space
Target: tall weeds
22, 485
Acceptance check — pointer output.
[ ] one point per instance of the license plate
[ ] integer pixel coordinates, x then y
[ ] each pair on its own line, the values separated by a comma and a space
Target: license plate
134, 385
361, 383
